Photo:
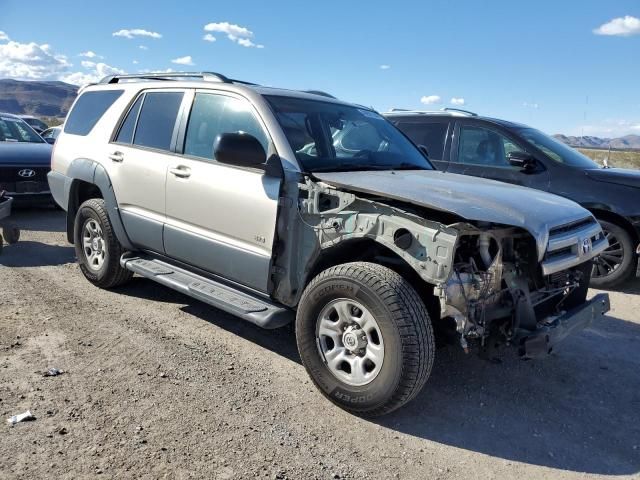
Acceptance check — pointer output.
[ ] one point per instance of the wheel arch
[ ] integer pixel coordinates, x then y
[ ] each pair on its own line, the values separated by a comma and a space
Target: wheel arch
89, 179
613, 217
365, 249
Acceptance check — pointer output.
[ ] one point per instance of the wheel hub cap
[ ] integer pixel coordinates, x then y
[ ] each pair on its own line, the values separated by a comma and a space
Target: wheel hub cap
350, 342
93, 244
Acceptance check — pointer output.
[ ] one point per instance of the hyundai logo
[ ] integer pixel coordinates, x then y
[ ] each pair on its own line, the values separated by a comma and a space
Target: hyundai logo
27, 173
586, 246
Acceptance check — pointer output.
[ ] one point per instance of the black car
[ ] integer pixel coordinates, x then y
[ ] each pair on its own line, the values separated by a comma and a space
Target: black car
38, 125
462, 142
25, 160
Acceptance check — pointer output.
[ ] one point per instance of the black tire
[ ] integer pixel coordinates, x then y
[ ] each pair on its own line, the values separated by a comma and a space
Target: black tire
611, 270
11, 234
110, 274
404, 325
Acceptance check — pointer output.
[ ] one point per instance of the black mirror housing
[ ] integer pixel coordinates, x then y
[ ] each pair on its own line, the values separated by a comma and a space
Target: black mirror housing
50, 140
239, 149
522, 160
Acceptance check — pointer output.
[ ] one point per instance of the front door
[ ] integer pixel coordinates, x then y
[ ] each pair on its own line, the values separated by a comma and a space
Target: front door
482, 151
221, 218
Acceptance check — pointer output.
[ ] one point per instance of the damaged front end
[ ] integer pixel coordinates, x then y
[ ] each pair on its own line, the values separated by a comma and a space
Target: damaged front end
498, 292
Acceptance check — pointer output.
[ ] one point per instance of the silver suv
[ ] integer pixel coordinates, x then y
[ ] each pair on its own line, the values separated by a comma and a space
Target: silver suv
277, 205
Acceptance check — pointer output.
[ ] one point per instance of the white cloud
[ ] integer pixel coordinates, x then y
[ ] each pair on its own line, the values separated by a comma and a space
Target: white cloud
90, 54
457, 101
235, 33
135, 62
430, 100
3, 36
186, 60
385, 67
136, 32
621, 27
31, 61
100, 71
209, 38
143, 47
88, 64
608, 128
535, 106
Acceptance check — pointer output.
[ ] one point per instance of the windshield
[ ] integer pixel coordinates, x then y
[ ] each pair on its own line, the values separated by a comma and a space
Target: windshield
330, 137
557, 150
15, 130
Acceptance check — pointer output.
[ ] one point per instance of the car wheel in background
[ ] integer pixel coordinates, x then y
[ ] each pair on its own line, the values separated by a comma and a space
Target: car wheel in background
618, 262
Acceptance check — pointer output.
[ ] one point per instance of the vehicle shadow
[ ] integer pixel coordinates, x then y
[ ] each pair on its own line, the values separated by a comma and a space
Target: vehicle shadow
576, 410
43, 219
36, 254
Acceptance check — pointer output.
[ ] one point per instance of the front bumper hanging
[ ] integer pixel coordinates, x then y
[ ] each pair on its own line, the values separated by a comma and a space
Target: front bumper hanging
543, 341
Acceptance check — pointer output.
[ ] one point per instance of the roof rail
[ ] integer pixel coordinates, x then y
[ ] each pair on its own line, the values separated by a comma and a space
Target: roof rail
204, 76
442, 111
460, 110
319, 92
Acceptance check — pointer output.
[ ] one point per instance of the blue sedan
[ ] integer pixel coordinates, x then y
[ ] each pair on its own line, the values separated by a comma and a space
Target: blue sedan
25, 160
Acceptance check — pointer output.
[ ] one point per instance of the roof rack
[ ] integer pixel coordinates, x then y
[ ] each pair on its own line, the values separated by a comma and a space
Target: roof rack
167, 76
442, 111
319, 92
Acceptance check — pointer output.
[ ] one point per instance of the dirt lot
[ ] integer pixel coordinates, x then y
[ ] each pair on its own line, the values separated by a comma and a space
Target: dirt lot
161, 386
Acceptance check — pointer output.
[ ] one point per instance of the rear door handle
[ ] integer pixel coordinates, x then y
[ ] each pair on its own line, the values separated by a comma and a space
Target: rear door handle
117, 157
180, 171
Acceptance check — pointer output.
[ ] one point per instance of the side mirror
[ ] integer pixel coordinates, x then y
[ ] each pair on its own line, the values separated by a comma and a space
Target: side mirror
50, 140
239, 149
522, 160
424, 150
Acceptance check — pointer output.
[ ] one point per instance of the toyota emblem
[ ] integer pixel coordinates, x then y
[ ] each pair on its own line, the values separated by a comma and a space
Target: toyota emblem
586, 246
27, 173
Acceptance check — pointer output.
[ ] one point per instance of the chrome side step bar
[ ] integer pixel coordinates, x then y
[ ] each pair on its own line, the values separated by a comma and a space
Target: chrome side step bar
249, 307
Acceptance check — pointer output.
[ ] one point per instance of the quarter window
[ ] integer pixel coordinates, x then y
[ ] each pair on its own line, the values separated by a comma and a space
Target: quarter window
481, 146
157, 119
213, 115
88, 109
128, 127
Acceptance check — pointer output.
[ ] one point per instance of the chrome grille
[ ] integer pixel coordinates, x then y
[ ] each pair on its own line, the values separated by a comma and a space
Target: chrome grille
572, 244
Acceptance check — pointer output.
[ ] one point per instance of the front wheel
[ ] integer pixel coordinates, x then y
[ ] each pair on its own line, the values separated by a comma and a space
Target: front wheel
365, 338
618, 262
97, 248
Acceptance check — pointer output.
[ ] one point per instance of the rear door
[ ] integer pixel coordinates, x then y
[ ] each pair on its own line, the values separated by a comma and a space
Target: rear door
431, 133
140, 155
221, 218
481, 150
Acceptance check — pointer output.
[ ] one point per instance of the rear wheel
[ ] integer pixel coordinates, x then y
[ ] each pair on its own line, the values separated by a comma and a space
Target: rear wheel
97, 249
365, 338
617, 263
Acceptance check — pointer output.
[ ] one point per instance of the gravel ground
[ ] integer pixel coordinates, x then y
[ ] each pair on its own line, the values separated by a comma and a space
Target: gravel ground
158, 385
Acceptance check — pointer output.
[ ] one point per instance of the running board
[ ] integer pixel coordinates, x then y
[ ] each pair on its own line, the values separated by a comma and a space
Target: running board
252, 308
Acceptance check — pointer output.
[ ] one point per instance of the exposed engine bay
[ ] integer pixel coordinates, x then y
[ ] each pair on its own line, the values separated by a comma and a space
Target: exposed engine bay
487, 278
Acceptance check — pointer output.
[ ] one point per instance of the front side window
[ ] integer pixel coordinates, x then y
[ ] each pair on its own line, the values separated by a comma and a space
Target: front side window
556, 150
484, 147
327, 136
432, 135
157, 119
16, 130
211, 116
88, 109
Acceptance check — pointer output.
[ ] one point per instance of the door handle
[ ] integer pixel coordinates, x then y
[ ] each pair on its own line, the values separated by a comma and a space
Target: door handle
180, 171
117, 157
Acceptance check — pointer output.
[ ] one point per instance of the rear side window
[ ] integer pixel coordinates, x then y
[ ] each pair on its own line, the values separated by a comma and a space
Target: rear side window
157, 120
431, 135
128, 127
88, 110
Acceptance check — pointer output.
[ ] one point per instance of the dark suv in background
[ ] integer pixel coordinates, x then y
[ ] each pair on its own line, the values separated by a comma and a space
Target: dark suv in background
462, 142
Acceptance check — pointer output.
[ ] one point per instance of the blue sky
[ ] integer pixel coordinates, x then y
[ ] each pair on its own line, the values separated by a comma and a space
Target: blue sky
539, 62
